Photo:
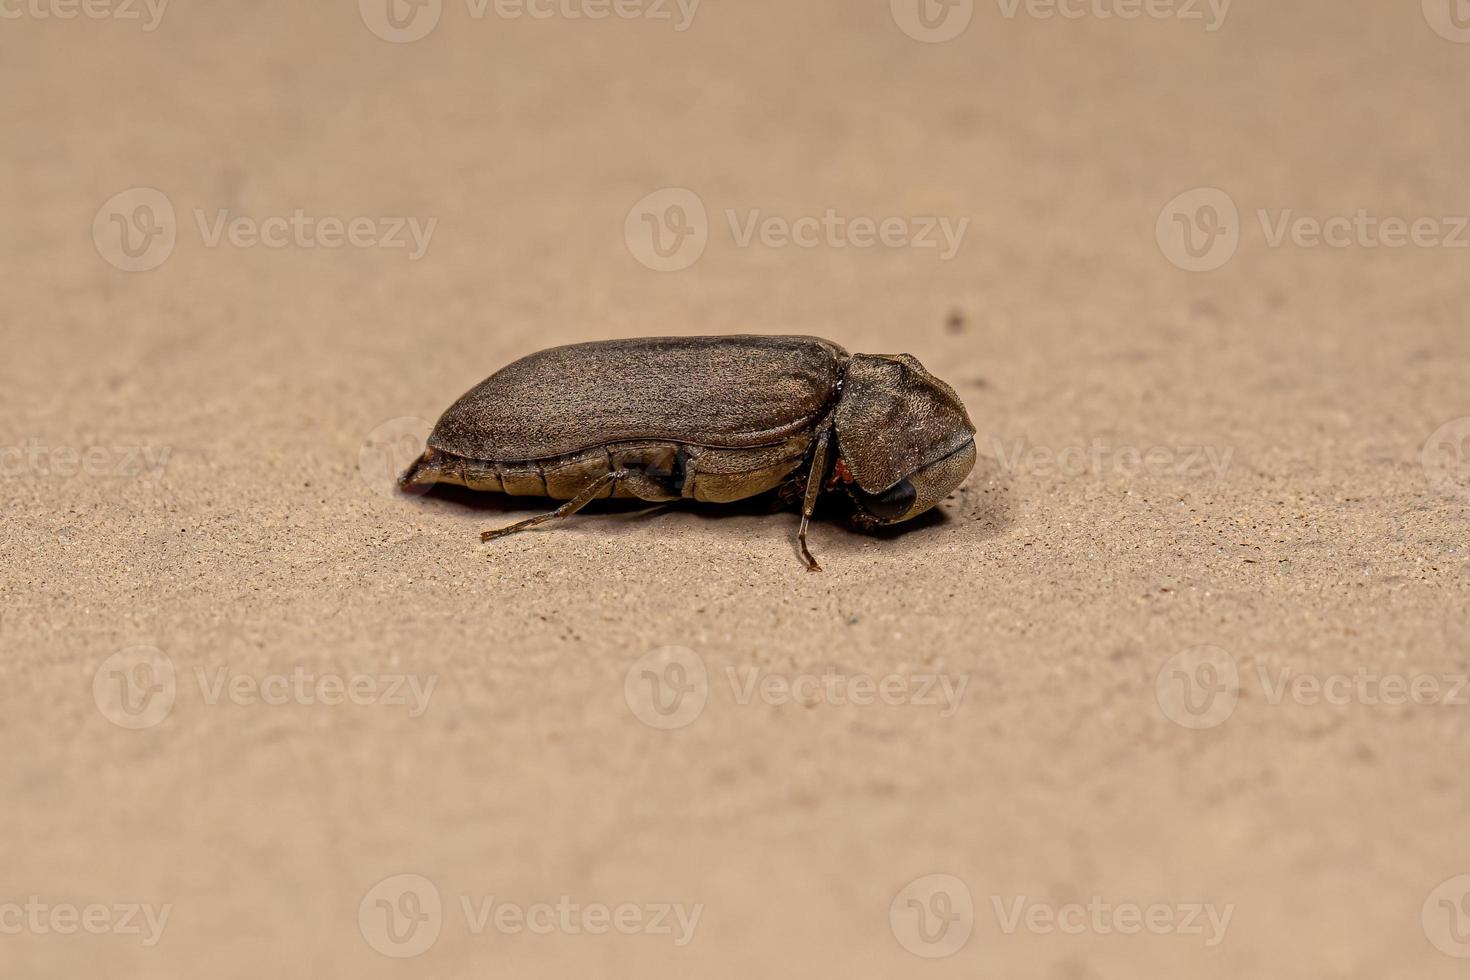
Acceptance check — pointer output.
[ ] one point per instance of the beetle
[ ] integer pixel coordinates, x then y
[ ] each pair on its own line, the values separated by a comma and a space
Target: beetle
712, 419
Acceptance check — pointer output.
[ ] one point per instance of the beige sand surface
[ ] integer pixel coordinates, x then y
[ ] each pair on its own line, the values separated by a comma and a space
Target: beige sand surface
1231, 459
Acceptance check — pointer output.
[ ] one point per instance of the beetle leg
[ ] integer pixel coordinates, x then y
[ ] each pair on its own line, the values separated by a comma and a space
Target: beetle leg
565, 510
813, 491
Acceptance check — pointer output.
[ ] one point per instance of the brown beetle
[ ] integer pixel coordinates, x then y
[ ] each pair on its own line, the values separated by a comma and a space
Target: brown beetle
713, 419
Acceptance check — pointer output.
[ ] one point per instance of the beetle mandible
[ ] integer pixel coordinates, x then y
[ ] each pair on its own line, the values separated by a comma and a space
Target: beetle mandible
712, 419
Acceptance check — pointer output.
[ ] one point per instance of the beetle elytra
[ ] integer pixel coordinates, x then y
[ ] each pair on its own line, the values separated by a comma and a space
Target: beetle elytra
713, 419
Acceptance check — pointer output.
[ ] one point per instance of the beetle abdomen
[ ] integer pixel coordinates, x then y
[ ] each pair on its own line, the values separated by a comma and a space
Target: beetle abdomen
560, 479
671, 470
727, 392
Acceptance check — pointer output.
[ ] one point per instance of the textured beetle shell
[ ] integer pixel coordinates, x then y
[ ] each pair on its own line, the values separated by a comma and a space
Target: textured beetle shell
728, 392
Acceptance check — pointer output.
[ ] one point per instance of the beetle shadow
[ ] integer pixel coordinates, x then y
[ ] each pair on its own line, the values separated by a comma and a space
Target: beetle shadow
983, 508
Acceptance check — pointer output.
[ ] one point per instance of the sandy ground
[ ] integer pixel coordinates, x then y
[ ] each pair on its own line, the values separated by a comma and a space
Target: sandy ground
1172, 689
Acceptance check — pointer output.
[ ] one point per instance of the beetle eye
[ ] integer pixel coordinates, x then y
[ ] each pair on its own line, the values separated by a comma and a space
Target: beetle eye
892, 503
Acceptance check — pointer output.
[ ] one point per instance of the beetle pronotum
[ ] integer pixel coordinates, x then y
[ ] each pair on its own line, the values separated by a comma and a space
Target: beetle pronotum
714, 419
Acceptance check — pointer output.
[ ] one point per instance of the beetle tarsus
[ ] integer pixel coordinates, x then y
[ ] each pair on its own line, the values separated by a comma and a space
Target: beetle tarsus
806, 554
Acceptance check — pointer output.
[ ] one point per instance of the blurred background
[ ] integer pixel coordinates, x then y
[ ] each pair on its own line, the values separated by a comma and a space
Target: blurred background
1172, 688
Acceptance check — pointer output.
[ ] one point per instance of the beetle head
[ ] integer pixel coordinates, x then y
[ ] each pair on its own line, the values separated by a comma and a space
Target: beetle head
905, 441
